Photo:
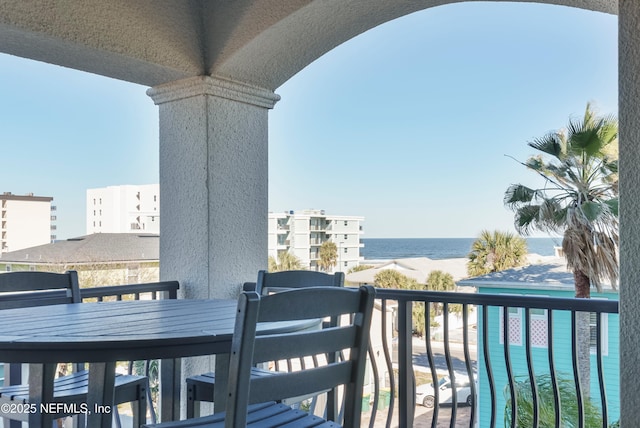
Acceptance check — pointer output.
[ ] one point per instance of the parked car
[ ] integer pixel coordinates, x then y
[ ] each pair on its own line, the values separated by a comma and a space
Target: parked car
425, 394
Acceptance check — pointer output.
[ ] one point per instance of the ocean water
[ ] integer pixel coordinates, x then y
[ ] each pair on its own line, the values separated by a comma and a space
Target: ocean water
438, 248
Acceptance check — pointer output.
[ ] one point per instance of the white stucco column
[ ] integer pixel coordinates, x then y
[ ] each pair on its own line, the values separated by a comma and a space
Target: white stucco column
213, 190
629, 115
213, 183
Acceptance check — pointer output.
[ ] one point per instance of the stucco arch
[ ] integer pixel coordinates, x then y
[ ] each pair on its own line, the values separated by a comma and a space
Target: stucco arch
313, 29
149, 42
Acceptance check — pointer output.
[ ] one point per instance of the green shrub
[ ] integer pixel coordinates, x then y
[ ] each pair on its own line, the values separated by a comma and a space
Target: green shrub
546, 404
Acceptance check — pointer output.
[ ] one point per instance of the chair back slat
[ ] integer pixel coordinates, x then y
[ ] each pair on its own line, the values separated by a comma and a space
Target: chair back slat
312, 303
308, 343
299, 382
307, 303
276, 281
29, 288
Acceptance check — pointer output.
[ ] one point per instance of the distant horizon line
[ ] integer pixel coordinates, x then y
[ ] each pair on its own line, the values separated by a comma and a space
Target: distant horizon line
462, 237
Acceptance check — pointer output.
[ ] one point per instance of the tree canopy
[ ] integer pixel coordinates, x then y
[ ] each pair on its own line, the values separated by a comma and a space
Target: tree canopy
328, 255
286, 261
496, 251
389, 278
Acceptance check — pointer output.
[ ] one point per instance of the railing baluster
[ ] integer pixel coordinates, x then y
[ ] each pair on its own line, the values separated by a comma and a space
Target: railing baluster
452, 374
376, 386
387, 357
406, 390
432, 364
552, 369
487, 363
603, 391
532, 376
507, 361
467, 362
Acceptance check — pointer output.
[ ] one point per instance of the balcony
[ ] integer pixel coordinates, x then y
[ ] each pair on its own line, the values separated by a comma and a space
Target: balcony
500, 371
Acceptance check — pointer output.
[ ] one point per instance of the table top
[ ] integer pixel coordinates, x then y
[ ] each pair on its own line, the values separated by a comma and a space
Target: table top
122, 330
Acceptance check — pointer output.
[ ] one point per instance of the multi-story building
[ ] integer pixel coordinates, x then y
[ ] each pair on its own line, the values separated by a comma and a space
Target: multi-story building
124, 209
301, 233
26, 221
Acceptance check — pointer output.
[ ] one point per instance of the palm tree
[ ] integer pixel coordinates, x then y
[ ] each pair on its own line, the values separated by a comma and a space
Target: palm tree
496, 251
438, 280
286, 261
580, 198
272, 264
390, 278
328, 255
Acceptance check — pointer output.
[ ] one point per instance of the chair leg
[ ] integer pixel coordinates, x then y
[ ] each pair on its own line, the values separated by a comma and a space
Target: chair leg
152, 411
79, 421
116, 416
10, 423
139, 409
193, 406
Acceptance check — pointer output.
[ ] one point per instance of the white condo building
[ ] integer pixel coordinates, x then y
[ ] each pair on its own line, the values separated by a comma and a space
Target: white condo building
303, 232
124, 209
27, 221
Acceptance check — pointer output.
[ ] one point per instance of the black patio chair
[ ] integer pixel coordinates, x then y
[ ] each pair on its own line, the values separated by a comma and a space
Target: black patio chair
30, 288
253, 402
201, 387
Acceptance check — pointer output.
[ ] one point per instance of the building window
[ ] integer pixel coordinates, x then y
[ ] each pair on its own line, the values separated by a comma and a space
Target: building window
346, 237
346, 223
345, 250
515, 326
539, 331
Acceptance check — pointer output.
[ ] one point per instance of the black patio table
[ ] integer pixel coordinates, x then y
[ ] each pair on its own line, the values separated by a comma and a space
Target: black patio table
105, 332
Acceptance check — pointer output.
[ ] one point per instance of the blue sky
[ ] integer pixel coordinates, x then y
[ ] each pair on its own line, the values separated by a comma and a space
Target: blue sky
407, 125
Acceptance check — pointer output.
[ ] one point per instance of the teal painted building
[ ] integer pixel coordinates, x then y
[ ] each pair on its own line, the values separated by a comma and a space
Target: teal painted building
552, 279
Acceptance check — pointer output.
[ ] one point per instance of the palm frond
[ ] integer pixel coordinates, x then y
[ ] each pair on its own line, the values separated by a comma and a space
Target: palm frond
526, 219
575, 127
518, 194
551, 144
592, 210
586, 142
613, 205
